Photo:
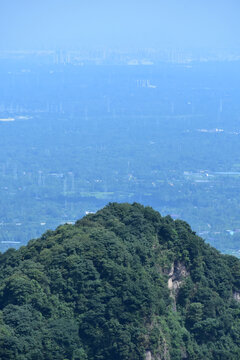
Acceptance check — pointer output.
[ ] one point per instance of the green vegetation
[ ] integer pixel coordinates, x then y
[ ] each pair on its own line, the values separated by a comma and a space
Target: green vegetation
117, 285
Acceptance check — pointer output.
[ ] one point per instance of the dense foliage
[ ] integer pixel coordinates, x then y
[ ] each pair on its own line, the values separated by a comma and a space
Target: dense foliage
99, 290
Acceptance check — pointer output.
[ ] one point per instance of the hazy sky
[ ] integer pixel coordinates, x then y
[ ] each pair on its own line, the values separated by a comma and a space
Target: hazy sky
76, 24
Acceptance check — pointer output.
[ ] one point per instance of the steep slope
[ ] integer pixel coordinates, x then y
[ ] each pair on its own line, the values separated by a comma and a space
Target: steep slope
123, 284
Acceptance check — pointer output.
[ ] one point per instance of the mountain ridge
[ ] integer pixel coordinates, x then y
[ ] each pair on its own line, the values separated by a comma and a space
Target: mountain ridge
124, 283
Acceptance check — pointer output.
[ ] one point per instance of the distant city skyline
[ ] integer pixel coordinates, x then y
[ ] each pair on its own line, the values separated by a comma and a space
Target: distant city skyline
110, 56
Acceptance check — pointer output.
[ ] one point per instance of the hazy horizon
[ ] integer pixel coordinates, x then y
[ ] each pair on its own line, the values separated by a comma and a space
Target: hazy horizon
72, 24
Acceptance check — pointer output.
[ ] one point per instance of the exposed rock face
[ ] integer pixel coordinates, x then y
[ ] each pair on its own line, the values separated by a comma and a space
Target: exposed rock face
236, 296
149, 356
176, 276
162, 351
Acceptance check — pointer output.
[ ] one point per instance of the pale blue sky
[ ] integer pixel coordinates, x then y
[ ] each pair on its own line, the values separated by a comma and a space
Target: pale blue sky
76, 24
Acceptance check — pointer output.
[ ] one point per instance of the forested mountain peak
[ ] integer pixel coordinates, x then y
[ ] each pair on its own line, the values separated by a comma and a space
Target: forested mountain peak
123, 284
